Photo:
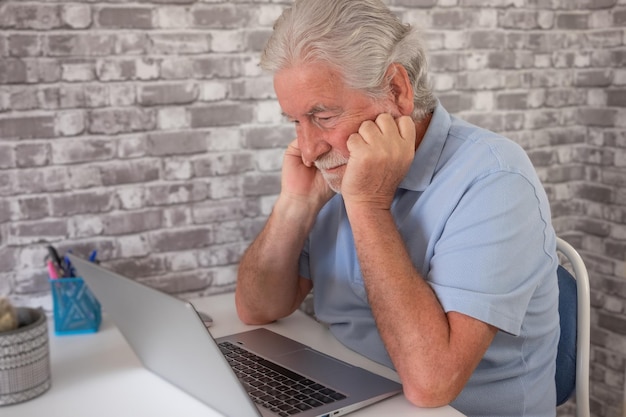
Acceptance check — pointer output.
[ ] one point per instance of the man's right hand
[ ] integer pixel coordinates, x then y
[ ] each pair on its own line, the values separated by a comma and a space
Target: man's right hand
303, 183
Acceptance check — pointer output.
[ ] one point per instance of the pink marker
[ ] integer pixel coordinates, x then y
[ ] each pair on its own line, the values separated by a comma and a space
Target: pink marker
52, 271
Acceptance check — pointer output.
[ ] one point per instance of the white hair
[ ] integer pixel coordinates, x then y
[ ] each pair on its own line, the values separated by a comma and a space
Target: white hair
360, 38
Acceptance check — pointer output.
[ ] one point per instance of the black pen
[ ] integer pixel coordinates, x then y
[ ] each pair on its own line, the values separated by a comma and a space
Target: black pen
56, 258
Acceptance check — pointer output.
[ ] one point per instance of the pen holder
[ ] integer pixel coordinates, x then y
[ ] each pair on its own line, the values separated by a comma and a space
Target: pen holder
25, 358
76, 309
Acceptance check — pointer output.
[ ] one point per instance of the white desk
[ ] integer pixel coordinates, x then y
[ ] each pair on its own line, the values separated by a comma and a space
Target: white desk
99, 375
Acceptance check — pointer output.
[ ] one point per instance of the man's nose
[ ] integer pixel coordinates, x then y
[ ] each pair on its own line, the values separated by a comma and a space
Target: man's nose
312, 143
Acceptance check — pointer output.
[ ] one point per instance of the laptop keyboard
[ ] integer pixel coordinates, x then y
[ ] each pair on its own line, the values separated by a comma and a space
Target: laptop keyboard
274, 387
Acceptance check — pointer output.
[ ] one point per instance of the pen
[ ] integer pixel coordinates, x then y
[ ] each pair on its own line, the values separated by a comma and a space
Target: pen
69, 269
52, 271
93, 256
54, 255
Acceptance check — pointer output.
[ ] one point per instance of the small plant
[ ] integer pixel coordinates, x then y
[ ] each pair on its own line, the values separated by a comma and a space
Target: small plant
8, 315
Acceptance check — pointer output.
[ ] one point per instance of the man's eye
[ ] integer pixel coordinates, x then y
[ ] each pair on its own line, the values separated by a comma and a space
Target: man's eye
324, 119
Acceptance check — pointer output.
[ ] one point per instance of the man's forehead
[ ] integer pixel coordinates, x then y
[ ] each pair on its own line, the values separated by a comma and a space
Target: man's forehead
317, 108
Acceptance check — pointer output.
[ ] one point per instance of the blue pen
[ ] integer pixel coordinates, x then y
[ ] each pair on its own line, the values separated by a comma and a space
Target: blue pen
69, 269
93, 256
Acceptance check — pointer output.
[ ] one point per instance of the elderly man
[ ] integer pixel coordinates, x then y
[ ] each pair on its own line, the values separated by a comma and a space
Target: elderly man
427, 241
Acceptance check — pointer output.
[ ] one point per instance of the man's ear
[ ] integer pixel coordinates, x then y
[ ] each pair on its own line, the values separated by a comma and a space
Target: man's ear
401, 88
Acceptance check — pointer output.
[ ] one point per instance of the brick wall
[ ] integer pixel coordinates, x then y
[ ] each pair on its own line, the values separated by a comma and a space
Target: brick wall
146, 130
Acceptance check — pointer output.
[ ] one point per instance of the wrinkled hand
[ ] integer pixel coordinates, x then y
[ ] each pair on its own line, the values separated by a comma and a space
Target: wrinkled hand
301, 182
380, 157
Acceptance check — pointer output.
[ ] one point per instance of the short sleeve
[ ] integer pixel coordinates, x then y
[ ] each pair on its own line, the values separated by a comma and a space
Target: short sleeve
486, 263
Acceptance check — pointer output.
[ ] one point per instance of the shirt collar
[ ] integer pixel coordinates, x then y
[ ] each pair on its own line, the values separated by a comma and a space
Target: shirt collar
428, 152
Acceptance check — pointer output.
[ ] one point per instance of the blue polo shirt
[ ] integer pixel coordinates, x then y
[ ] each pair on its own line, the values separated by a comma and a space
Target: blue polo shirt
476, 222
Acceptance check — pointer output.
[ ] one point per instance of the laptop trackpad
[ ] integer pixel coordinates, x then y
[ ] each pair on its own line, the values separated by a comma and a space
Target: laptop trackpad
313, 364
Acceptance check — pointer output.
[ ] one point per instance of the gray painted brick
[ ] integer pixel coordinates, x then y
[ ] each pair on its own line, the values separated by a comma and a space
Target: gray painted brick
616, 98
69, 123
519, 19
512, 101
42, 70
413, 3
23, 99
80, 203
176, 240
176, 216
619, 17
597, 117
7, 258
217, 211
255, 39
116, 69
177, 169
31, 208
177, 68
29, 16
129, 172
24, 45
172, 17
31, 154
78, 70
510, 59
180, 93
226, 254
176, 143
612, 322
595, 193
543, 157
484, 39
137, 268
12, 71
228, 114
565, 97
80, 45
572, 20
604, 38
255, 88
27, 127
127, 223
445, 61
593, 78
269, 137
76, 16
594, 227
223, 164
42, 180
187, 43
454, 19
159, 195
5, 211
112, 121
455, 102
87, 150
221, 16
125, 17
7, 156
37, 231
133, 43
223, 66
169, 1
261, 184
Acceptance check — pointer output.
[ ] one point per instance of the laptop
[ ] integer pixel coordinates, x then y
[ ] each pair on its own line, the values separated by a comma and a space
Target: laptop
248, 374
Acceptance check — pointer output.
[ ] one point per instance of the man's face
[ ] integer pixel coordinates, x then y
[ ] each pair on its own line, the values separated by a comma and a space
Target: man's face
325, 113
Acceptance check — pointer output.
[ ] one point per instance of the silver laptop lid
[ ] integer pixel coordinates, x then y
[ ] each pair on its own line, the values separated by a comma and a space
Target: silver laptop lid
154, 324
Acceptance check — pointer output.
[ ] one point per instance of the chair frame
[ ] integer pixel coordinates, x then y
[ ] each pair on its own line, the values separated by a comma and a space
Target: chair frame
583, 325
